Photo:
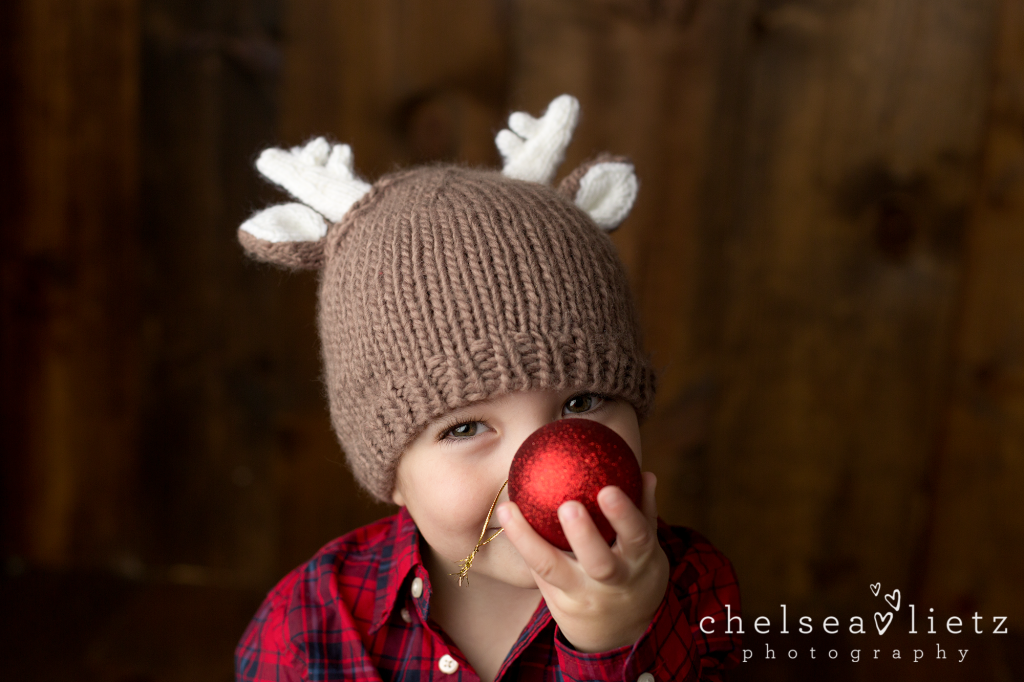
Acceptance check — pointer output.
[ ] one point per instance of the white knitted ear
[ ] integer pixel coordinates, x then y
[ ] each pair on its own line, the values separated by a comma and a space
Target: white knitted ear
286, 223
533, 148
318, 175
607, 192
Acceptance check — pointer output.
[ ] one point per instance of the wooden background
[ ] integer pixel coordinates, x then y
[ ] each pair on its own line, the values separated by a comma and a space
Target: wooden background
828, 250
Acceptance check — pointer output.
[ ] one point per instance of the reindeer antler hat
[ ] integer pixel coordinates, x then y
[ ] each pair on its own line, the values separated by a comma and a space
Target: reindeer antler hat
444, 285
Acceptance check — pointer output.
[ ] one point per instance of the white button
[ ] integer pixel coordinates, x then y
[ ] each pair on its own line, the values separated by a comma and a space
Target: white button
448, 665
417, 588
405, 615
645, 677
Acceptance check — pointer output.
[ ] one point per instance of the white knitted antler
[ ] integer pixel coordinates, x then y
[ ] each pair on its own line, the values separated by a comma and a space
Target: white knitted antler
533, 148
318, 175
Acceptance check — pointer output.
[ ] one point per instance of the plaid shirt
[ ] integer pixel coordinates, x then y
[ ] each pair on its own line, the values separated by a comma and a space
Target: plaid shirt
359, 611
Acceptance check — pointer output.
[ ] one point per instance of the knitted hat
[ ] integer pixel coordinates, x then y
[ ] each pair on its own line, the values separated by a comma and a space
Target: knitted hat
442, 285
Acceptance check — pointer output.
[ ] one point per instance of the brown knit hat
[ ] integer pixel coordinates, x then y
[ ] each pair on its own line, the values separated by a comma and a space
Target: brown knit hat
442, 286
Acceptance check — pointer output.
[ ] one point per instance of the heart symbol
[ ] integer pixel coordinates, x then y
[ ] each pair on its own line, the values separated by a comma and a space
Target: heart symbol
893, 600
879, 620
875, 588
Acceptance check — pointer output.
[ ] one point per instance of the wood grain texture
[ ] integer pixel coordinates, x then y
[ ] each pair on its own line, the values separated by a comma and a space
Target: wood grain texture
832, 248
218, 377
70, 357
976, 556
401, 81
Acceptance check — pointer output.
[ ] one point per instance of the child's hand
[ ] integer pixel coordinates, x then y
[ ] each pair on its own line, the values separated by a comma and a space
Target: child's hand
605, 597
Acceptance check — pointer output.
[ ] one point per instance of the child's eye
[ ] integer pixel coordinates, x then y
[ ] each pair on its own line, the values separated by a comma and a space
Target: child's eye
585, 402
464, 430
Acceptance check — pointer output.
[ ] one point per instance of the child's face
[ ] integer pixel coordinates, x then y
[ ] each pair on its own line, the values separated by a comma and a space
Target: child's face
449, 475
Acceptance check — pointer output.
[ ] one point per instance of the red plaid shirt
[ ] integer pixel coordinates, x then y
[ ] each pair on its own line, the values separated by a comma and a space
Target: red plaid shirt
351, 613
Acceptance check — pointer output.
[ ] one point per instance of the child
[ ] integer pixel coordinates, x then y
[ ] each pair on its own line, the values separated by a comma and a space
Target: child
460, 310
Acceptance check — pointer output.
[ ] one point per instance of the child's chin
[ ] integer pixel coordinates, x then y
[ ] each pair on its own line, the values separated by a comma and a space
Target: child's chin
507, 566
522, 579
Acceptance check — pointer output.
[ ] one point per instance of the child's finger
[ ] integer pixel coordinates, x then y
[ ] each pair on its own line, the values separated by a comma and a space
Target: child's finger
635, 534
591, 550
551, 564
649, 502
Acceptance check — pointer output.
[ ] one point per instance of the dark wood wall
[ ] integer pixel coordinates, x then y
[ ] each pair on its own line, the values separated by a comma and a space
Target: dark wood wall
828, 251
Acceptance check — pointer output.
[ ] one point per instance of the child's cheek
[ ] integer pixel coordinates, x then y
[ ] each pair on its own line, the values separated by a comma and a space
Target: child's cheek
460, 501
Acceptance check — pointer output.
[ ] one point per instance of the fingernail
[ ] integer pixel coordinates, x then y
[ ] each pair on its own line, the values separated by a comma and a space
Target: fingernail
569, 511
503, 514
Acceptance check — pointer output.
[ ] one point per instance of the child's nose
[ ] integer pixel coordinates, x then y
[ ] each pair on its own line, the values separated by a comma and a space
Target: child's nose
527, 428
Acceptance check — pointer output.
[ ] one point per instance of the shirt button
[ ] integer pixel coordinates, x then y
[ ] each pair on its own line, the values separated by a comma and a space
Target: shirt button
645, 677
417, 588
405, 615
447, 664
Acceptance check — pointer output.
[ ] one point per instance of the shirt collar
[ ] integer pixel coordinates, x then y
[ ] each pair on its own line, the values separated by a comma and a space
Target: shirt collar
399, 556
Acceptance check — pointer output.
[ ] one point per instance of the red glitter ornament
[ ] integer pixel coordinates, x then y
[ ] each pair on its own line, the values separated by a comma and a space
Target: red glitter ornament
570, 459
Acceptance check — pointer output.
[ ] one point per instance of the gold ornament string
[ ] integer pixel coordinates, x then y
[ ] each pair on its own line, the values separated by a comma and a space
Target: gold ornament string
467, 563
